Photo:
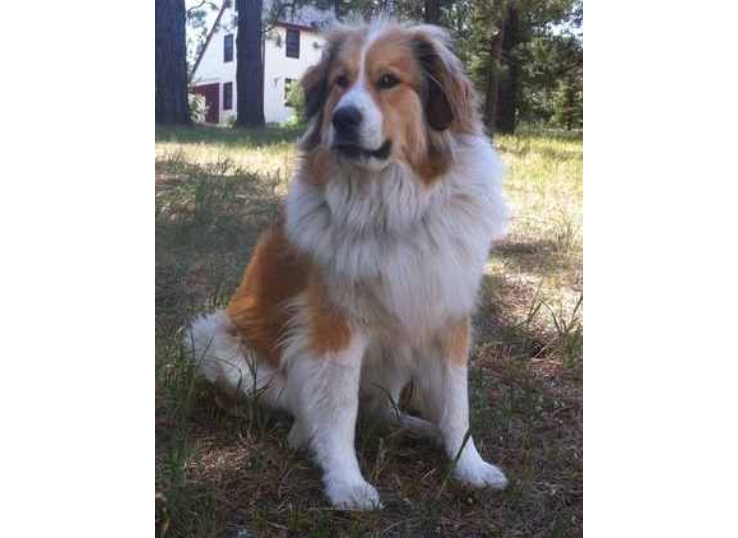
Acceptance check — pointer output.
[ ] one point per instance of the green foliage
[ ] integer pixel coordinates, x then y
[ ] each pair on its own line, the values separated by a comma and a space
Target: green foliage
568, 103
551, 80
198, 107
197, 28
296, 99
547, 47
547, 51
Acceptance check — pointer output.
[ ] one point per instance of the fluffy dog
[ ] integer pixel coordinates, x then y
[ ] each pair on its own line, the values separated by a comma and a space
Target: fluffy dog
368, 280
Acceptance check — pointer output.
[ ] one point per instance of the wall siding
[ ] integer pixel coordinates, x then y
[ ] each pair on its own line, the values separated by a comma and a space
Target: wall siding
277, 68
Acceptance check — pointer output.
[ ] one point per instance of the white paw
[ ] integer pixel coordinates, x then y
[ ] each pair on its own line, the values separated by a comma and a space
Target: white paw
481, 474
353, 495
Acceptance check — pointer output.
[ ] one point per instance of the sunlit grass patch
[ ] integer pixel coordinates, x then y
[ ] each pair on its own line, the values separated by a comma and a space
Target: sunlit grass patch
270, 151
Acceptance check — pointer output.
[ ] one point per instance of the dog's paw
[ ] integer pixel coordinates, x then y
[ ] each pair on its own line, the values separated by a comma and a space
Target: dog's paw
353, 495
481, 474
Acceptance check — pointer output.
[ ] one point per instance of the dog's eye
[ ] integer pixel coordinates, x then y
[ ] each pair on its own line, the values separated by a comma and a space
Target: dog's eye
342, 81
387, 81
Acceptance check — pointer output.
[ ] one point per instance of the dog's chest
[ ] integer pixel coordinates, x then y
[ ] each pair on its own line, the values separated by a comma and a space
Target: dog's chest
421, 287
414, 281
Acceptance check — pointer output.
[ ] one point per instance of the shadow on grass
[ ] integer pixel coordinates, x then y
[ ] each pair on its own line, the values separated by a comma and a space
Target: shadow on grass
550, 145
228, 136
206, 226
541, 259
521, 149
531, 256
547, 135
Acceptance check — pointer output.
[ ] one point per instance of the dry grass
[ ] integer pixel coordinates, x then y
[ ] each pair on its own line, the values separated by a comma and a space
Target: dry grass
225, 476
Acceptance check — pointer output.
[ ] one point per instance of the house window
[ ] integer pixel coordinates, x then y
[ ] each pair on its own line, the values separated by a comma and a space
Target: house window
228, 96
228, 48
293, 43
288, 84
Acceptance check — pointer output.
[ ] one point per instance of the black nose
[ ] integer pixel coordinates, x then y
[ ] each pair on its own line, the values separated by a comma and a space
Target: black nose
346, 119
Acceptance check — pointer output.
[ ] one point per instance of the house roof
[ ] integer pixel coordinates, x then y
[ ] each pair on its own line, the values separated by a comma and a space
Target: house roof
223, 7
207, 40
296, 26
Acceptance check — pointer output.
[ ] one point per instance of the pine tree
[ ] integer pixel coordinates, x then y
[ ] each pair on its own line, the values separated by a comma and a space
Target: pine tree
432, 12
249, 65
171, 63
506, 117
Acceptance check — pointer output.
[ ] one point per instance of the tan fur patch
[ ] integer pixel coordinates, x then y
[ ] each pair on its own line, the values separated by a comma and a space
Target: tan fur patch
436, 162
456, 341
402, 109
319, 163
348, 58
329, 331
275, 274
392, 52
425, 150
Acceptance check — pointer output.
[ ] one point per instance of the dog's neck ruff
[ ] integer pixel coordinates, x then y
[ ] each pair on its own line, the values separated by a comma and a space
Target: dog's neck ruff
391, 246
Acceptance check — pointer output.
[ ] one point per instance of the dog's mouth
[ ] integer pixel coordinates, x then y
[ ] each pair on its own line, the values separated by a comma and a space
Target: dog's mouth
354, 151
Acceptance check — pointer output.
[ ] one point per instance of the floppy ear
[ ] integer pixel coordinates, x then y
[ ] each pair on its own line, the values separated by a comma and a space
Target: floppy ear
315, 86
448, 97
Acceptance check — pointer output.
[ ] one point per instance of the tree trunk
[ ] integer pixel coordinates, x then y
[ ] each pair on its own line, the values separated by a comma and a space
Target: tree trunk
569, 111
507, 97
432, 12
249, 65
492, 90
171, 63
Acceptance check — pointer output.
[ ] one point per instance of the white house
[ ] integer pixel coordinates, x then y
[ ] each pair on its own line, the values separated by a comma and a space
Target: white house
289, 49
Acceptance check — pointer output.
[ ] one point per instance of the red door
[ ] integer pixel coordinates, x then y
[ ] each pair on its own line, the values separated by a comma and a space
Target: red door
211, 92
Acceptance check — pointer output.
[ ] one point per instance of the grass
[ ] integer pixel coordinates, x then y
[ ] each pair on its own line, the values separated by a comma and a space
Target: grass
226, 475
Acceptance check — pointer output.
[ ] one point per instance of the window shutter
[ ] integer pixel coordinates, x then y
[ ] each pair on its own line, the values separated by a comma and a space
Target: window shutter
228, 48
228, 96
292, 47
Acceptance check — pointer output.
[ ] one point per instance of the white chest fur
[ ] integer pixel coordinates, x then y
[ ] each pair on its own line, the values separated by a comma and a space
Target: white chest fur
395, 251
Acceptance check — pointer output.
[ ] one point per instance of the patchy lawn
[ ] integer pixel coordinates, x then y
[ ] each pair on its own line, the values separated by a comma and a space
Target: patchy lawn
220, 475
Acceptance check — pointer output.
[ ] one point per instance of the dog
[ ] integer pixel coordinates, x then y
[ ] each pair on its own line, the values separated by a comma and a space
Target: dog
367, 281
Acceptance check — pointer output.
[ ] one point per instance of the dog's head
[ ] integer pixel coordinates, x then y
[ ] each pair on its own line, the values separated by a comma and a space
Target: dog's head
386, 93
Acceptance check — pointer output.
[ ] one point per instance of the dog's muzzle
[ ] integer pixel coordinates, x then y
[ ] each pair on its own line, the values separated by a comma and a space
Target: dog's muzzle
347, 122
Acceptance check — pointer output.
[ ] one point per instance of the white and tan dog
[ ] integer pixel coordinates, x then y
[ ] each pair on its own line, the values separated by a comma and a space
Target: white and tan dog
368, 281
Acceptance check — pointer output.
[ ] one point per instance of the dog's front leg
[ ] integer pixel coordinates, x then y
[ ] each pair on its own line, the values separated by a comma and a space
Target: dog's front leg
445, 401
324, 391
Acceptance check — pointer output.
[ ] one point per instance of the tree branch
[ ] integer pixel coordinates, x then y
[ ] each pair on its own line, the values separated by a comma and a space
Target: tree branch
198, 6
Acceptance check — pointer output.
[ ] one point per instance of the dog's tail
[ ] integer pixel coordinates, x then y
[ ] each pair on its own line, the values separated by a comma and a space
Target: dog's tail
226, 360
